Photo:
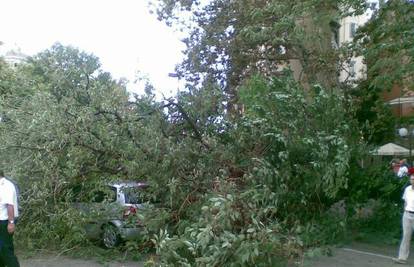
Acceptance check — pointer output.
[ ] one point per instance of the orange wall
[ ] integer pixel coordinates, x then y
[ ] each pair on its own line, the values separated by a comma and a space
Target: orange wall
393, 94
403, 110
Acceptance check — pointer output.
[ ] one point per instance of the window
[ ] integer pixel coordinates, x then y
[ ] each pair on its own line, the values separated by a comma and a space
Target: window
106, 195
335, 33
135, 195
352, 29
352, 70
335, 39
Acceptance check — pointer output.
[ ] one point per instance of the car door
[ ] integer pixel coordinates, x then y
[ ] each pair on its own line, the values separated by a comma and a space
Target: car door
100, 208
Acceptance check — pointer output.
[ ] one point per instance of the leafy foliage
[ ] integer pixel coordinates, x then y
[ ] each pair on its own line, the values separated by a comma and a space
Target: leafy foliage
286, 175
377, 123
375, 182
75, 124
247, 190
375, 191
232, 40
387, 45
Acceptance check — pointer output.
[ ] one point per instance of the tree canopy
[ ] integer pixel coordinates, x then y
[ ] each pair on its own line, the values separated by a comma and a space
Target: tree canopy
247, 190
232, 40
387, 43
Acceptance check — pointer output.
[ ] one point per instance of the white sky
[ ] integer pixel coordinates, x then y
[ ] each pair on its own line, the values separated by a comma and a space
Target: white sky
121, 33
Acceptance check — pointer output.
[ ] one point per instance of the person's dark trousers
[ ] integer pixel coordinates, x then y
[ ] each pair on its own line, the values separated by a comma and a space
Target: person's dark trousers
7, 256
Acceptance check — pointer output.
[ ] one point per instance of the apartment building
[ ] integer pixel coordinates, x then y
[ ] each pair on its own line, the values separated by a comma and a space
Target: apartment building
400, 99
354, 69
338, 34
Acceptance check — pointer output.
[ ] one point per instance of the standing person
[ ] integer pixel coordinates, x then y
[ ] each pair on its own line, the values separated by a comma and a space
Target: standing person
8, 214
407, 222
395, 165
403, 170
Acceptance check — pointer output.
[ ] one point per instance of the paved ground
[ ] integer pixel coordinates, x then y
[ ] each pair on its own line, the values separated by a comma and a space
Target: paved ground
359, 255
352, 255
53, 261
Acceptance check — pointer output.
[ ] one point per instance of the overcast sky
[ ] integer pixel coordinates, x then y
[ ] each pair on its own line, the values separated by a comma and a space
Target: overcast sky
121, 33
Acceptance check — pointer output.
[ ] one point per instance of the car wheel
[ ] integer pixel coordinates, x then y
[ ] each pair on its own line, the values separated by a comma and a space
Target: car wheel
110, 236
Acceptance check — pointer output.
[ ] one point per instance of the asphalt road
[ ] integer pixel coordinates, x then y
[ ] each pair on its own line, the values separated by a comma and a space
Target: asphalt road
352, 255
70, 262
359, 255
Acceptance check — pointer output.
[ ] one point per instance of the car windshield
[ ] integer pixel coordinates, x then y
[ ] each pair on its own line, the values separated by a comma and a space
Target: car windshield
134, 195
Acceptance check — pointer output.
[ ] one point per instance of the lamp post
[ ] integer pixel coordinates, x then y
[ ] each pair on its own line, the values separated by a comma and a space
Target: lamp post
404, 132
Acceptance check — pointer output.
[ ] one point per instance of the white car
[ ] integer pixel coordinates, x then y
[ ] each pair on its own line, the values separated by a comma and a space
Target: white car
110, 213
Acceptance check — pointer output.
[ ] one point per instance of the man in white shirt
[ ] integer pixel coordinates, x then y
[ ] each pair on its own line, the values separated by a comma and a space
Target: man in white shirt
403, 170
8, 214
407, 222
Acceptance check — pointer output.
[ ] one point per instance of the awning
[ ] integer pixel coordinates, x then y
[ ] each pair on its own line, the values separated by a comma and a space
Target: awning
402, 100
391, 149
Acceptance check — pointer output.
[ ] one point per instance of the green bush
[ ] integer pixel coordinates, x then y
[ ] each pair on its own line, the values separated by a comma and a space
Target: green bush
374, 203
374, 182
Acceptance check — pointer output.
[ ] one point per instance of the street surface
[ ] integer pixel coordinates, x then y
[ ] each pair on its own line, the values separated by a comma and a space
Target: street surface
352, 255
70, 262
359, 255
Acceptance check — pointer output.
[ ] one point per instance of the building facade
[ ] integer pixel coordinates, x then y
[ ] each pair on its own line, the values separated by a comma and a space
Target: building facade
355, 68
